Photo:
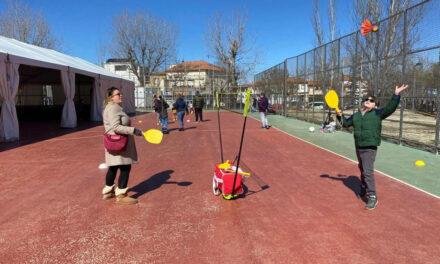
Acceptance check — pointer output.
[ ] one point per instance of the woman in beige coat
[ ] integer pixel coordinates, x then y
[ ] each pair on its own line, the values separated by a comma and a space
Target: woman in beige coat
116, 121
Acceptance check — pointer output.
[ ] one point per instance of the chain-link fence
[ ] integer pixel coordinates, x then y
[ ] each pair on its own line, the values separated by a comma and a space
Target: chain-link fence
406, 49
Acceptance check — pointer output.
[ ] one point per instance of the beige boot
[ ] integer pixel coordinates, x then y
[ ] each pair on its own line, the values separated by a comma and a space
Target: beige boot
123, 198
108, 192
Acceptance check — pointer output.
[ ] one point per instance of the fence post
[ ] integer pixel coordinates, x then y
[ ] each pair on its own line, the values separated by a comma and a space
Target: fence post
355, 78
297, 93
306, 112
314, 85
405, 51
437, 123
341, 75
284, 87
324, 68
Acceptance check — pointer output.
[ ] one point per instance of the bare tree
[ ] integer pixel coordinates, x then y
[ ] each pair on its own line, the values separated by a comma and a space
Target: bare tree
381, 52
332, 19
149, 43
20, 22
320, 39
316, 23
228, 41
102, 52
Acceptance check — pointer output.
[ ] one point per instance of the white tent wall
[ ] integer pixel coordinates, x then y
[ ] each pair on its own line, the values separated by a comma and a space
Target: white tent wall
20, 53
97, 99
68, 117
9, 81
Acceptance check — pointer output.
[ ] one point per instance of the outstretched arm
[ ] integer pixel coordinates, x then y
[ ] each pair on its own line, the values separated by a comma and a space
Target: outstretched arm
393, 103
400, 89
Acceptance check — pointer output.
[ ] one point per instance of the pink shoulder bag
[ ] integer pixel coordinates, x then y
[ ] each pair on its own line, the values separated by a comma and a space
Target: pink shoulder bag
115, 143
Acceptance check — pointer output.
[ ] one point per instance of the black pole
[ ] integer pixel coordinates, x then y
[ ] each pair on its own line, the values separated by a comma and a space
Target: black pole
220, 133
239, 155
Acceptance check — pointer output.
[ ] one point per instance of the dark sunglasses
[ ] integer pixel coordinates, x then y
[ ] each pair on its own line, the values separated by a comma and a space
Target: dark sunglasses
370, 100
117, 94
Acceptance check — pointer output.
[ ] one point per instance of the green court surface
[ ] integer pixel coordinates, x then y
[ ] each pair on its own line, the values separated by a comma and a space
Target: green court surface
393, 160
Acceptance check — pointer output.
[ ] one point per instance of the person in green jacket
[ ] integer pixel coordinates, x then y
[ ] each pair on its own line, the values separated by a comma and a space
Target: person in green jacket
367, 125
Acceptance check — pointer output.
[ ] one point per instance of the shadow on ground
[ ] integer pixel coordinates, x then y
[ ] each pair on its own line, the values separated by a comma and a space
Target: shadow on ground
177, 129
154, 182
351, 182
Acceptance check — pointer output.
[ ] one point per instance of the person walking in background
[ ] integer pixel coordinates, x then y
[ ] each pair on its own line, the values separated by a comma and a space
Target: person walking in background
198, 103
367, 125
174, 113
163, 114
254, 104
181, 108
116, 121
263, 105
156, 109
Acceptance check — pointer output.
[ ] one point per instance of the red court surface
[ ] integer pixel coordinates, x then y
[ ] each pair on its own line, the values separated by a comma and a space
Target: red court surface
52, 212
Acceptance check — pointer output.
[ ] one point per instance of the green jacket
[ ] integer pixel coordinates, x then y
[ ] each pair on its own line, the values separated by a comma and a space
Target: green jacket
368, 127
198, 101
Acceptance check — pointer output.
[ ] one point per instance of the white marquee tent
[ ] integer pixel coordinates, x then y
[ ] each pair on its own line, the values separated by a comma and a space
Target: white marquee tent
14, 53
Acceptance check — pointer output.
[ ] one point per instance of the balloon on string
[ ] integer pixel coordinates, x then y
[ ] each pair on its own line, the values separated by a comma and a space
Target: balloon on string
367, 27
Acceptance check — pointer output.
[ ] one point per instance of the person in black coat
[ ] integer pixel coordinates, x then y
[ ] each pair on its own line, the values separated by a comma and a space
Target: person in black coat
162, 110
263, 105
198, 104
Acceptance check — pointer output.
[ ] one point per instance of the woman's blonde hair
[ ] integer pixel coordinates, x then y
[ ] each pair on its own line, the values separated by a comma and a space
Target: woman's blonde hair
108, 98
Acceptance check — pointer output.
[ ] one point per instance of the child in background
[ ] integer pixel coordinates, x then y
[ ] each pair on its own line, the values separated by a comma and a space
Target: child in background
329, 125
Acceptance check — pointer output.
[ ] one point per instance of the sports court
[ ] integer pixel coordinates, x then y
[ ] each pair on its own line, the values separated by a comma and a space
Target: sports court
308, 212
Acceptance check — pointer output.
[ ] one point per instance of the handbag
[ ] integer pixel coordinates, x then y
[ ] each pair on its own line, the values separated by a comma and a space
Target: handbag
115, 143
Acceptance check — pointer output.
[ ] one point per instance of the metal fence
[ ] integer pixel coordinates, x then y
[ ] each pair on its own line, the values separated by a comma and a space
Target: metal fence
406, 49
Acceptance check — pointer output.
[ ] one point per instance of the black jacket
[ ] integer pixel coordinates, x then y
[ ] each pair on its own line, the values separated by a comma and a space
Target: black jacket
198, 101
162, 107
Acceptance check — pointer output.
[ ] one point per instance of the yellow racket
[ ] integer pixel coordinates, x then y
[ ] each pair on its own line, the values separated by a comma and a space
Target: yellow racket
153, 136
332, 99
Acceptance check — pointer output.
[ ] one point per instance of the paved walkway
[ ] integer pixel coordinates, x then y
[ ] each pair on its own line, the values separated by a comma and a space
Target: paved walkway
52, 211
394, 160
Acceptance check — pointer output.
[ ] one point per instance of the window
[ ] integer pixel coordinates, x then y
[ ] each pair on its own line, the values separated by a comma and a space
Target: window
121, 67
47, 95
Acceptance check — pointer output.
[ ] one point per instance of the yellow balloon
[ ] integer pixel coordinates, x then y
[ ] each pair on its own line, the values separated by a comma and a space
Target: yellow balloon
419, 163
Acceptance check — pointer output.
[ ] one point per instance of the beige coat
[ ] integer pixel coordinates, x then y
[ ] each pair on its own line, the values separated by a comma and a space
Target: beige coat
117, 121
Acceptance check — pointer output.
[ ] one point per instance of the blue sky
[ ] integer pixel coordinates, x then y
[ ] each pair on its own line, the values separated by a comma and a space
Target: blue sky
281, 29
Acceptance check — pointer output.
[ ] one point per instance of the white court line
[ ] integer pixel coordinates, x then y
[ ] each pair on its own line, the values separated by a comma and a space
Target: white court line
387, 175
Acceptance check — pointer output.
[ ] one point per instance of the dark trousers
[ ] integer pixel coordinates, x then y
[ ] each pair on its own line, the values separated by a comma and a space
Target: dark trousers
123, 177
366, 157
199, 114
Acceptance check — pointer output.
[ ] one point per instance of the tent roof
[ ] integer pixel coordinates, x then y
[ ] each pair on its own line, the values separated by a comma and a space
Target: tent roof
28, 54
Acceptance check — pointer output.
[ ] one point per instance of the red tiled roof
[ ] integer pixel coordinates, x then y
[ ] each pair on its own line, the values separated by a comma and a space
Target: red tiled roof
195, 66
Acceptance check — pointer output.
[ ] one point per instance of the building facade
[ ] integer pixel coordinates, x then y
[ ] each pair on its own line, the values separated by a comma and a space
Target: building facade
191, 76
122, 68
